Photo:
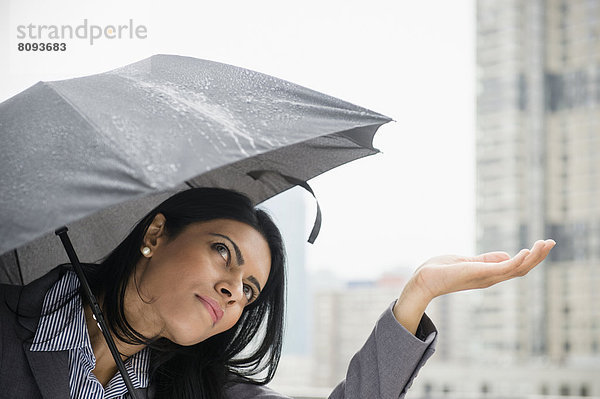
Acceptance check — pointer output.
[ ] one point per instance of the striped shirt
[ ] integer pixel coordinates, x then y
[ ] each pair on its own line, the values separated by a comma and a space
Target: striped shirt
65, 329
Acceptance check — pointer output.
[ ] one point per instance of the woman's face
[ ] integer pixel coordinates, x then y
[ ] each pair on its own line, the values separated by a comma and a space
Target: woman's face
197, 285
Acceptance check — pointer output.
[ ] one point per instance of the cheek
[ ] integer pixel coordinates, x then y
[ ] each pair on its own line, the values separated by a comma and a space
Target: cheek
229, 319
162, 276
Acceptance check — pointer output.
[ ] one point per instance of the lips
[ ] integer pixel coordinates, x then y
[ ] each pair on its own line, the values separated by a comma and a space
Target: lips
213, 307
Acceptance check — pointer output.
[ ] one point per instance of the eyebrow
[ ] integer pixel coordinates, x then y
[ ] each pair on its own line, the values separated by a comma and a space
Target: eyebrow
239, 258
254, 281
238, 253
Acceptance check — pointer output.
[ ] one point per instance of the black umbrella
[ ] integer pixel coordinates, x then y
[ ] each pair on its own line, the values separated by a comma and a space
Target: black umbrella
100, 151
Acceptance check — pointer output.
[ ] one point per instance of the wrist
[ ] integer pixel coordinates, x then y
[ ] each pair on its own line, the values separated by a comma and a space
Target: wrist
416, 288
411, 305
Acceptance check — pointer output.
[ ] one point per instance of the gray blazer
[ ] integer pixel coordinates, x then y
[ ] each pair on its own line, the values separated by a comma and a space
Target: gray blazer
384, 368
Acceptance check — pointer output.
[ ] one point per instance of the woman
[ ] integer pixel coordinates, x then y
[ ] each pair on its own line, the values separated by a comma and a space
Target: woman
186, 295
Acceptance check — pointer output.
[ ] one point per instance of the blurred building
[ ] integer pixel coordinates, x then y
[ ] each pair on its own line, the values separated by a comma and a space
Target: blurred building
538, 176
289, 212
538, 172
328, 320
454, 380
343, 319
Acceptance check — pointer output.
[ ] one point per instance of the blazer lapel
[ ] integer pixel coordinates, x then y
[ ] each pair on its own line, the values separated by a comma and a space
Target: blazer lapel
144, 393
51, 371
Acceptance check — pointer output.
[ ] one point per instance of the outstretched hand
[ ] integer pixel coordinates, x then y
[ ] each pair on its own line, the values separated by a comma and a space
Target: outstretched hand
450, 273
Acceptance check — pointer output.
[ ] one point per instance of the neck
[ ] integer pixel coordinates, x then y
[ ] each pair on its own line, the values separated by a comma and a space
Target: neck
98, 341
106, 367
138, 314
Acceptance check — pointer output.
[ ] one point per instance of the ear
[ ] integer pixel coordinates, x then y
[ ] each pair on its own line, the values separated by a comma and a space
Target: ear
155, 231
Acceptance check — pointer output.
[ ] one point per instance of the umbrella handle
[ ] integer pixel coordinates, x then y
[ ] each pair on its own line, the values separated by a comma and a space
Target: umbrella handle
97, 312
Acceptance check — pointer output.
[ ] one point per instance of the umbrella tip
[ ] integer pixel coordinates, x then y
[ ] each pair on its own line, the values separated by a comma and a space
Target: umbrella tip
61, 230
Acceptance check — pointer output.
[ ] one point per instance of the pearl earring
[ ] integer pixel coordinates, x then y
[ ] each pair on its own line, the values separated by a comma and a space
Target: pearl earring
145, 251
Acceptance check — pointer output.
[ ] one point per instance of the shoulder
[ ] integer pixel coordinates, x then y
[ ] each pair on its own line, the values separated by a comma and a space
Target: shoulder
242, 390
20, 308
25, 302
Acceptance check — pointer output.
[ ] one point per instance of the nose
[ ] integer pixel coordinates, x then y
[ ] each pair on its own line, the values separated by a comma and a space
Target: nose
231, 290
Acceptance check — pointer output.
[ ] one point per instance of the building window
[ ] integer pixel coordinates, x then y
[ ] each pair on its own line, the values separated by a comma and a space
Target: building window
544, 390
446, 390
522, 90
584, 391
564, 390
485, 389
427, 389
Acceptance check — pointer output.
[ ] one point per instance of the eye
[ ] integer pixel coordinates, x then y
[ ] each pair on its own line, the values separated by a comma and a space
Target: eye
249, 293
223, 250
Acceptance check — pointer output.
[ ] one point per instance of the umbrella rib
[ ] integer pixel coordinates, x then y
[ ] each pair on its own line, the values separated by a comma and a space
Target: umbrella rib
113, 145
356, 141
19, 267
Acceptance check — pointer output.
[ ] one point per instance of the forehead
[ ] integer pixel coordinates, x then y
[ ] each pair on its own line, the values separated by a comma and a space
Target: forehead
241, 232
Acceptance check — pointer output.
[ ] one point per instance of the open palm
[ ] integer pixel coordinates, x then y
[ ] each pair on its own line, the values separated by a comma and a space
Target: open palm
450, 273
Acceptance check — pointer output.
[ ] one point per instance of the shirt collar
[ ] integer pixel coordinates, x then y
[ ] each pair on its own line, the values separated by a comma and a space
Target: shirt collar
62, 327
62, 324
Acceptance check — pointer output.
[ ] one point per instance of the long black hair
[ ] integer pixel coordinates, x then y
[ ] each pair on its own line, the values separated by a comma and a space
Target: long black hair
201, 370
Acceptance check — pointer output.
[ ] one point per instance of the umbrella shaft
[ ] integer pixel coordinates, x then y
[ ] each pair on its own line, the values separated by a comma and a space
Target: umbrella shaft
97, 312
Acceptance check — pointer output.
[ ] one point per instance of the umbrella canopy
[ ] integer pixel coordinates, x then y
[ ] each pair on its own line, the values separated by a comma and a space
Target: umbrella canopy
89, 151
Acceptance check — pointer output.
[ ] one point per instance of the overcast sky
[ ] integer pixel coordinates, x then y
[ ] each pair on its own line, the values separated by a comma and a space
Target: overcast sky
410, 60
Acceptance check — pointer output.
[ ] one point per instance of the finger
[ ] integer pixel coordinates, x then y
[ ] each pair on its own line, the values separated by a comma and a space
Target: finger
501, 271
497, 256
509, 265
520, 264
545, 250
539, 251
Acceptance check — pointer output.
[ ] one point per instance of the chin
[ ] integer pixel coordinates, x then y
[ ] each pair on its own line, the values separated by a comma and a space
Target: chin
187, 336
187, 341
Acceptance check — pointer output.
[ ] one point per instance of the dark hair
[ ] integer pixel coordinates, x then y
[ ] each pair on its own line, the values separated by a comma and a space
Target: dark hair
201, 370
